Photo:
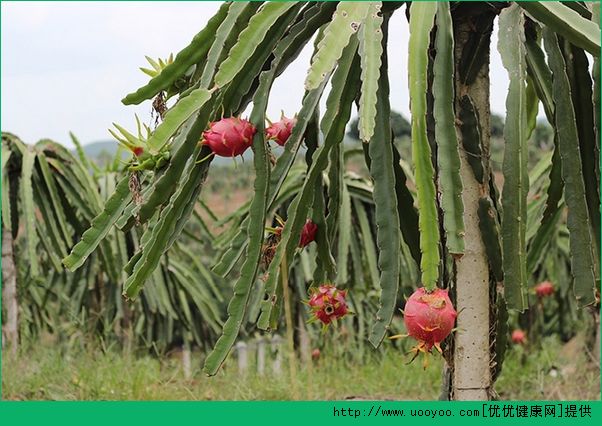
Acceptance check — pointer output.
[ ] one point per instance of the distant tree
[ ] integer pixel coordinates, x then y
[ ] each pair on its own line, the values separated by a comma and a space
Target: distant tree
542, 135
497, 126
103, 159
399, 125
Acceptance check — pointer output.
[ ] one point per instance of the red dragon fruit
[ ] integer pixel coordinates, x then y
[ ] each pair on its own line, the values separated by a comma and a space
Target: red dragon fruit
429, 318
138, 151
308, 233
229, 137
281, 130
543, 289
328, 303
519, 337
315, 354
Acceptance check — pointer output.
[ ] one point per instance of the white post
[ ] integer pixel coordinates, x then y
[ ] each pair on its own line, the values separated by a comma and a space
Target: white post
186, 361
304, 340
277, 347
241, 350
261, 356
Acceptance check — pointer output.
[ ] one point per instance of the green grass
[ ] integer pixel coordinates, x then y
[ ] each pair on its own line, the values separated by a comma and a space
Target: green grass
49, 373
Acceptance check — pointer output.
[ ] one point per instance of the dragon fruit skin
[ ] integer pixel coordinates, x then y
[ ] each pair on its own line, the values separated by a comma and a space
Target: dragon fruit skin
518, 337
281, 130
229, 137
544, 289
429, 317
328, 304
308, 233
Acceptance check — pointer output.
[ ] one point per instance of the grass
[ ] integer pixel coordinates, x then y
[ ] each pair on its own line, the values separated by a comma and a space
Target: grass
41, 373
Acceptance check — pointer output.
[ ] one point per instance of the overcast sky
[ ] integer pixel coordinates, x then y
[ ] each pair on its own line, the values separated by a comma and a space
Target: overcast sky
66, 66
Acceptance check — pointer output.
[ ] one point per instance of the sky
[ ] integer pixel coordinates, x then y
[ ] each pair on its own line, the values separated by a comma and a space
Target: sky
66, 66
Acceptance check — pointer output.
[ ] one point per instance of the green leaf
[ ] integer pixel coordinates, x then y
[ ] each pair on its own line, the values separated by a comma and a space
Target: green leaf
566, 22
282, 48
325, 263
490, 233
540, 74
150, 73
422, 15
368, 246
501, 336
298, 33
312, 136
335, 190
239, 12
100, 226
189, 280
83, 158
582, 267
345, 22
344, 225
166, 180
515, 168
336, 162
556, 186
255, 231
169, 224
541, 239
370, 50
315, 16
287, 157
236, 248
176, 116
29, 212
388, 236
57, 208
44, 236
216, 291
448, 156
67, 184
249, 39
153, 63
297, 213
581, 8
581, 92
282, 54
69, 166
190, 55
408, 215
48, 220
6, 204
597, 89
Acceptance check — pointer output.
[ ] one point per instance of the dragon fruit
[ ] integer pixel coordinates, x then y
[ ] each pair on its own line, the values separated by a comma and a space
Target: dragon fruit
315, 354
519, 337
281, 130
229, 137
138, 151
308, 233
429, 318
328, 304
544, 289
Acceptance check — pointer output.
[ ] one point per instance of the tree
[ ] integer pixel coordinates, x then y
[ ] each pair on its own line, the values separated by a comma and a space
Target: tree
399, 126
462, 234
50, 197
497, 126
